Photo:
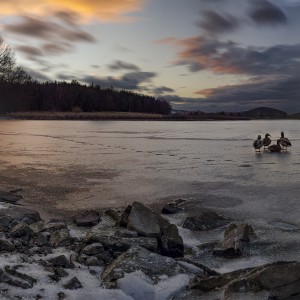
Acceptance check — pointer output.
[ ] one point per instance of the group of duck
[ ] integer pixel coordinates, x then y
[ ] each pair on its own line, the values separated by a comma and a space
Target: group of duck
282, 143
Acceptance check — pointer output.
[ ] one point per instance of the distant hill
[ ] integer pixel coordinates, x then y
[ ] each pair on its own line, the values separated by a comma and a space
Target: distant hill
263, 113
295, 116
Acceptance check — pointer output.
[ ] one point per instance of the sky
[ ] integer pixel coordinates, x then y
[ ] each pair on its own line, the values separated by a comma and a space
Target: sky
208, 55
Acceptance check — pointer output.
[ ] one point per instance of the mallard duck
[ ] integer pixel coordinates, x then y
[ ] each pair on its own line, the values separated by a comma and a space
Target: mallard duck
266, 141
275, 148
284, 142
258, 143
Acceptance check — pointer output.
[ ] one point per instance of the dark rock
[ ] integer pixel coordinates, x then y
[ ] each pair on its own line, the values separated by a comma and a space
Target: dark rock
37, 227
61, 295
54, 225
60, 272
19, 214
123, 232
43, 239
205, 220
88, 219
9, 197
73, 284
59, 237
21, 230
172, 242
105, 256
142, 220
93, 249
6, 245
236, 238
60, 261
171, 208
15, 278
94, 261
137, 258
189, 295
124, 216
122, 244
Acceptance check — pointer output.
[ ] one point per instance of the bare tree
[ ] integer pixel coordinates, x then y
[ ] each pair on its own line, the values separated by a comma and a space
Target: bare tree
9, 72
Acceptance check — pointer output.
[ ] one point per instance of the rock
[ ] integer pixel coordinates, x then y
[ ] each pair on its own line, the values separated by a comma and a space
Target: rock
59, 237
20, 214
137, 258
105, 256
93, 249
88, 219
94, 261
37, 227
236, 238
142, 220
61, 296
113, 214
9, 197
6, 245
189, 295
73, 284
15, 278
54, 225
282, 279
172, 242
60, 261
206, 220
123, 232
60, 272
21, 230
122, 244
171, 208
124, 216
43, 239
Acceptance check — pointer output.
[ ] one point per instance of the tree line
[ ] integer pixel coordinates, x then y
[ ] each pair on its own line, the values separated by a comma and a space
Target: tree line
19, 92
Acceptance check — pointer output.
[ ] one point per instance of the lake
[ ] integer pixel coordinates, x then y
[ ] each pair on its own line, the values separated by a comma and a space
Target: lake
64, 166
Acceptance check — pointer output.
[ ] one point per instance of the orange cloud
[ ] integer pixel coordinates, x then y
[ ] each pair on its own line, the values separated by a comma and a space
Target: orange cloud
101, 10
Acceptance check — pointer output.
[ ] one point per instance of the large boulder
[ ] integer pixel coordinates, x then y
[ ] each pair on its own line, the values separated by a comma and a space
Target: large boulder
142, 220
120, 244
21, 230
205, 220
137, 258
171, 208
281, 280
236, 238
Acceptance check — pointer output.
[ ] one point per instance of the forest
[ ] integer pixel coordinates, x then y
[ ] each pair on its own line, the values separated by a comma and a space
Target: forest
20, 92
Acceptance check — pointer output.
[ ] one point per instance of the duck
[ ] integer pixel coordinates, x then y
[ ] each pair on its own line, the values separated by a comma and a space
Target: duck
275, 148
285, 142
266, 141
258, 143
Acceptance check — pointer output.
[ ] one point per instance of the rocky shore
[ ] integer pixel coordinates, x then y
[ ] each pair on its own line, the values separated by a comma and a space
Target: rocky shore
133, 253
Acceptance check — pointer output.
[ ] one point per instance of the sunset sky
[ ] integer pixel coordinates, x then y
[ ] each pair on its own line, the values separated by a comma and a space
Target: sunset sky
210, 55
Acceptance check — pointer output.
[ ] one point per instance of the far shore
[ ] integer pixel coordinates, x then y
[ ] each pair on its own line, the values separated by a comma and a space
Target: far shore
132, 116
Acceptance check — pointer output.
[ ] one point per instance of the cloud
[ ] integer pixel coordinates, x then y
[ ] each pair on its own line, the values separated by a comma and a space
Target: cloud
54, 48
216, 23
162, 90
265, 12
129, 81
103, 10
45, 29
29, 51
118, 65
36, 74
201, 53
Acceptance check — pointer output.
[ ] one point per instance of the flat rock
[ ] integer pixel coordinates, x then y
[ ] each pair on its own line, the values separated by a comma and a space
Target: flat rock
15, 278
122, 244
171, 208
142, 220
236, 238
59, 237
124, 216
137, 258
205, 220
93, 249
88, 219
